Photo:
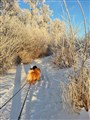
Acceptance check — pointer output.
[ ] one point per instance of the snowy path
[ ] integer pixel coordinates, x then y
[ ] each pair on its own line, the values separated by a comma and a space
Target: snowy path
44, 98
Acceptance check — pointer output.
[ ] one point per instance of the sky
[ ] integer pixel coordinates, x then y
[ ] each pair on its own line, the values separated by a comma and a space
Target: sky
58, 9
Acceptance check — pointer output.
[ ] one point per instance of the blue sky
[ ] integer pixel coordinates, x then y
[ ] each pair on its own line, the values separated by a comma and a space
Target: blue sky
75, 13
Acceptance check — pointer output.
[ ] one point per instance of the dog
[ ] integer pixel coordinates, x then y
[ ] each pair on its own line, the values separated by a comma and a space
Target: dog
33, 75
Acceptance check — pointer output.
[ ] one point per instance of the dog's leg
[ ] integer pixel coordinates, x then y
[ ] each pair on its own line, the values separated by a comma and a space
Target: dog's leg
39, 79
33, 82
30, 82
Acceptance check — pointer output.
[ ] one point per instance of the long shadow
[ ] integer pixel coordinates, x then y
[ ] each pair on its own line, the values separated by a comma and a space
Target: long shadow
16, 101
26, 69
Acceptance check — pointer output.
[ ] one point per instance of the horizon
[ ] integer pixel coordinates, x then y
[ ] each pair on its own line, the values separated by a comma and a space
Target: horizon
57, 7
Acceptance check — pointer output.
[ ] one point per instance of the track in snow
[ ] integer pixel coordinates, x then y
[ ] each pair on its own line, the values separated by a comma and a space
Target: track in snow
44, 98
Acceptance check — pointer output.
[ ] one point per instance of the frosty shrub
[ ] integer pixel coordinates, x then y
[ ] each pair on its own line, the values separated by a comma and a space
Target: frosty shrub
76, 94
62, 44
24, 34
63, 54
18, 40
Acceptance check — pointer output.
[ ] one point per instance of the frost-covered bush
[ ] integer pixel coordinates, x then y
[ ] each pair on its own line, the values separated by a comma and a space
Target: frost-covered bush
19, 40
64, 54
26, 34
76, 93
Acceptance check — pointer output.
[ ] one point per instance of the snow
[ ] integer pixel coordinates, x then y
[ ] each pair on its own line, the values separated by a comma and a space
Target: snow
44, 100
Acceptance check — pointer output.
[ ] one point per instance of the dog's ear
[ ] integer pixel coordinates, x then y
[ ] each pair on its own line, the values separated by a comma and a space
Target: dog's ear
34, 67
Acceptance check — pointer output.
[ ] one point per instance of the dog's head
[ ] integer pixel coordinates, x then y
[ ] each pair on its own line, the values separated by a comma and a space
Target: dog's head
34, 67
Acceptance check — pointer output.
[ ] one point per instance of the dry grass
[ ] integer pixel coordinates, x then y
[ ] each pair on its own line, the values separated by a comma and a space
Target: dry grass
76, 94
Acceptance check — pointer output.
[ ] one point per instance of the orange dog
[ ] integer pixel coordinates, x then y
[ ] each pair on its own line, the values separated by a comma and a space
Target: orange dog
33, 75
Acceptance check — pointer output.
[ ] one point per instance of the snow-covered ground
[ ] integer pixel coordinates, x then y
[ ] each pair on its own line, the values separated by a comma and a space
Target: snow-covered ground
44, 100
